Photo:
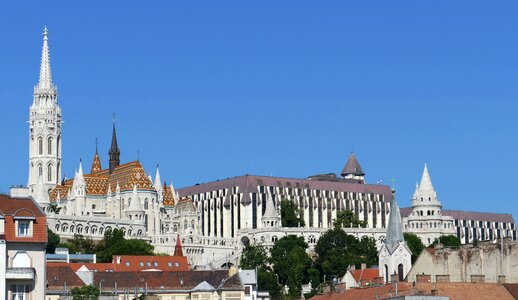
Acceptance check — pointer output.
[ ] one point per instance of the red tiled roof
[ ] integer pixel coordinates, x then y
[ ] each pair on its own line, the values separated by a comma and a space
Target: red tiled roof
23, 207
143, 263
367, 274
59, 276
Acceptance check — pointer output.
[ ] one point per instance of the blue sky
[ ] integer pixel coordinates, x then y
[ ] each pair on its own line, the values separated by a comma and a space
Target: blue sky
212, 90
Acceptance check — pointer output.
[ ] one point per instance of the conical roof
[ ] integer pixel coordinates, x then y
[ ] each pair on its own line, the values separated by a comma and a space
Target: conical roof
394, 228
352, 167
178, 247
270, 212
96, 164
426, 181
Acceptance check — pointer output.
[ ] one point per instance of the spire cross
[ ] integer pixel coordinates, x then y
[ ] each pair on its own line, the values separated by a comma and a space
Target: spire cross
138, 155
393, 180
96, 144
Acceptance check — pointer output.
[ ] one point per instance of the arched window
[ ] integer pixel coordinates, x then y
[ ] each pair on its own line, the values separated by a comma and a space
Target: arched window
146, 204
49, 173
49, 145
40, 146
40, 170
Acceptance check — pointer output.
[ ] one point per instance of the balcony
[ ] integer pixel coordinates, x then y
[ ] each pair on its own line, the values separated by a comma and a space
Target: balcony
20, 273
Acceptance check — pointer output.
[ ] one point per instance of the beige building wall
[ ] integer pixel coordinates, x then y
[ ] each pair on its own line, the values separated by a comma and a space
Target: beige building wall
36, 254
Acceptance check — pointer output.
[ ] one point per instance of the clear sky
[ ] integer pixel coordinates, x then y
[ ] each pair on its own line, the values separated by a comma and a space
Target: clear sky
216, 89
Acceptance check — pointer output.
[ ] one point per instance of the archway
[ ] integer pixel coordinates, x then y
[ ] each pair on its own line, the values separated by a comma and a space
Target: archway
400, 272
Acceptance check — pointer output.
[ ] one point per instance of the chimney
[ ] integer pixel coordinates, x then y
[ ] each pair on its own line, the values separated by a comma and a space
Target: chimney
352, 267
364, 266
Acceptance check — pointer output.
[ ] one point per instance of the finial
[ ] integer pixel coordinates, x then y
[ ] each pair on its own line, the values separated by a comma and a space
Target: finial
45, 33
138, 155
96, 143
113, 117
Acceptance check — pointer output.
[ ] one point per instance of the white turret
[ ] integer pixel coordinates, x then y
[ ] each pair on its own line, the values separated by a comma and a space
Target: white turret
270, 217
158, 182
135, 210
44, 128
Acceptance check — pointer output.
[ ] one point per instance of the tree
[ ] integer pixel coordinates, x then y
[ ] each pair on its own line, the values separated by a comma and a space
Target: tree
337, 250
267, 281
87, 292
347, 218
80, 244
289, 214
114, 243
414, 243
448, 241
254, 256
52, 241
54, 208
291, 262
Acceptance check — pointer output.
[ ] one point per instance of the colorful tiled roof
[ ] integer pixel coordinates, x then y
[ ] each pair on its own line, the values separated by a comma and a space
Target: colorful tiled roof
168, 197
126, 175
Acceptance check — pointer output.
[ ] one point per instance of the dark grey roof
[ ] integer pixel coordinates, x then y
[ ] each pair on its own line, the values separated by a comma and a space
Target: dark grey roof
248, 184
469, 215
352, 167
394, 228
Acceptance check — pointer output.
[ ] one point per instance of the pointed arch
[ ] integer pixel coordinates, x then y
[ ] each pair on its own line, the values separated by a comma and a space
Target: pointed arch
40, 145
49, 172
49, 145
40, 169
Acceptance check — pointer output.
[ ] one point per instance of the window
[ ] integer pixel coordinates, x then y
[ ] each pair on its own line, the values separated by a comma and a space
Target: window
141, 264
169, 264
49, 173
20, 291
40, 170
148, 264
40, 146
24, 228
127, 264
155, 264
49, 146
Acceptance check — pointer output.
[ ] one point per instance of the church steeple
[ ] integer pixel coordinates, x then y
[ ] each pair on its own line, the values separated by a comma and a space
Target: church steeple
114, 151
45, 71
96, 164
394, 228
44, 127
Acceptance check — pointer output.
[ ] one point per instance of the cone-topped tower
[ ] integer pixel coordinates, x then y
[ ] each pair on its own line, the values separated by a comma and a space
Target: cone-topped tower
114, 151
44, 128
353, 170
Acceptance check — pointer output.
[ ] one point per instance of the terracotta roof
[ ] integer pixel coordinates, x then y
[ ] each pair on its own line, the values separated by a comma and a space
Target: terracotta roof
58, 276
167, 280
126, 175
455, 291
12, 208
143, 263
367, 274
96, 164
168, 197
136, 263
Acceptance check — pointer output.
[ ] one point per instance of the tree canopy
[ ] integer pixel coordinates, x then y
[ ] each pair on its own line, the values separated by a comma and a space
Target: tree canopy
289, 214
114, 243
337, 250
291, 262
347, 218
414, 243
52, 241
256, 257
448, 241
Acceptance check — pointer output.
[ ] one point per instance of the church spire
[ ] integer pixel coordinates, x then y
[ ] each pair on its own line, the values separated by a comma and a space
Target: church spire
96, 164
45, 71
426, 181
178, 247
394, 228
114, 150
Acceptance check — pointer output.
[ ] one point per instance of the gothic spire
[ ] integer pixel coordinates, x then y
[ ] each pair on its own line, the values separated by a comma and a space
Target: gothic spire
45, 71
394, 228
158, 182
114, 150
96, 164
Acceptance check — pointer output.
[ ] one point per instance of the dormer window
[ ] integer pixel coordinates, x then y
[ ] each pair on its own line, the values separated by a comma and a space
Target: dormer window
24, 228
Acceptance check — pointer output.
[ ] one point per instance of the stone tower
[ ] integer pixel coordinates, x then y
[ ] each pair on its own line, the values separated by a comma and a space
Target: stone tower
395, 258
44, 129
352, 170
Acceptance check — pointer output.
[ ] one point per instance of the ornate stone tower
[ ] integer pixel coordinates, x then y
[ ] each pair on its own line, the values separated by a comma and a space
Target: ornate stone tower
395, 258
44, 129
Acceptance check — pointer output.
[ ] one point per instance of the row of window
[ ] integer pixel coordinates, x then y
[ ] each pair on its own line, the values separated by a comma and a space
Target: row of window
50, 141
155, 264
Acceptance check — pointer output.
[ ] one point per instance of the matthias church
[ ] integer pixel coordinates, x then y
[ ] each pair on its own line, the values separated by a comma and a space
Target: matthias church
215, 220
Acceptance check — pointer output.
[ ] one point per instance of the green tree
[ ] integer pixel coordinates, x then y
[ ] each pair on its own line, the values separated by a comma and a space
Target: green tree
114, 243
267, 281
337, 250
52, 241
347, 218
291, 262
80, 244
87, 292
448, 241
254, 256
414, 243
54, 208
289, 214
